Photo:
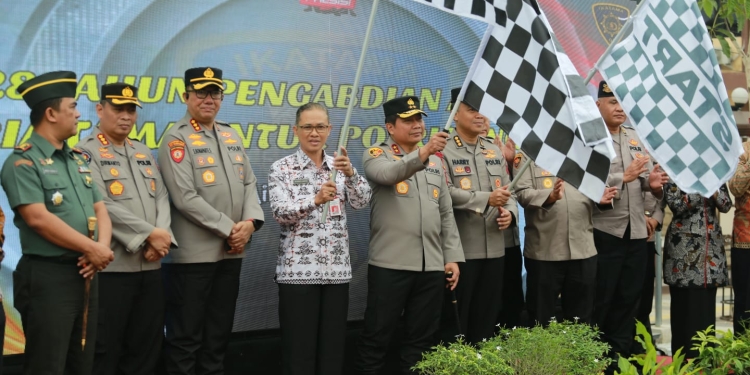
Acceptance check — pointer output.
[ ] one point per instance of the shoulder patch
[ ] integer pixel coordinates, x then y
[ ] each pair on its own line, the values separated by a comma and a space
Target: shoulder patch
517, 159
86, 156
23, 147
375, 151
21, 162
176, 143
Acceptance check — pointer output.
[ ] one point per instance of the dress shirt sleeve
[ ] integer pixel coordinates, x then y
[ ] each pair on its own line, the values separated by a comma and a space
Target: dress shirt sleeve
286, 208
358, 191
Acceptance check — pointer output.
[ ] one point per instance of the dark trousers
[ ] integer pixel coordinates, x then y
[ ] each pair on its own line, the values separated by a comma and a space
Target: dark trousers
418, 296
513, 298
741, 286
621, 270
50, 297
646, 302
131, 323
691, 310
313, 328
575, 280
199, 314
480, 297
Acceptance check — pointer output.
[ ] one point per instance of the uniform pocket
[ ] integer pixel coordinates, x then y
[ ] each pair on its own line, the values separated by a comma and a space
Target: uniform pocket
149, 177
116, 183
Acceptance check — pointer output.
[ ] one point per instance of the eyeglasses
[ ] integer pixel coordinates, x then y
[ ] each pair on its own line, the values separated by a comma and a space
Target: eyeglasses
202, 94
307, 129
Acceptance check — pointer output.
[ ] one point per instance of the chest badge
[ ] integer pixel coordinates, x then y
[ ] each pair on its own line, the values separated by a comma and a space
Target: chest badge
149, 172
209, 177
114, 172
465, 183
238, 158
435, 193
547, 183
88, 180
402, 187
210, 159
57, 198
139, 155
633, 142
116, 188
498, 183
153, 185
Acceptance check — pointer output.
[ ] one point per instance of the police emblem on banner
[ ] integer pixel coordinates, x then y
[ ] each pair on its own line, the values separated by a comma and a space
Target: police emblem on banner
609, 19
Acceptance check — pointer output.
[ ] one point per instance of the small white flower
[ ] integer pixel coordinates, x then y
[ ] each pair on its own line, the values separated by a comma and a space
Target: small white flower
479, 356
564, 332
498, 348
484, 340
576, 318
455, 351
553, 320
514, 328
596, 360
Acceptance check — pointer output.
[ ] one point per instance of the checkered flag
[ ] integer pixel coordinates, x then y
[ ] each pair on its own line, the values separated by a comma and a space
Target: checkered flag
528, 86
667, 78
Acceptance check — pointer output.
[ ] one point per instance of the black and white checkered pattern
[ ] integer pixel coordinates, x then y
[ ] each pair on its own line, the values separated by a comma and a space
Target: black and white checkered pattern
686, 123
544, 106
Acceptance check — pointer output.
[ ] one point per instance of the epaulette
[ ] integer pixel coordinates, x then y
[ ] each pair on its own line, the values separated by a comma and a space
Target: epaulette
23, 147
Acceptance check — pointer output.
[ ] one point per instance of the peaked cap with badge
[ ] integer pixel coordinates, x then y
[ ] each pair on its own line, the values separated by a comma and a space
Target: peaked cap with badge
202, 77
120, 94
604, 90
52, 85
405, 106
454, 96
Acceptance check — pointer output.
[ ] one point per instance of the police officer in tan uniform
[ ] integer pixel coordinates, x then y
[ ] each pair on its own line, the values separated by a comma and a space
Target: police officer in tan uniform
215, 210
131, 295
413, 239
483, 208
620, 233
559, 251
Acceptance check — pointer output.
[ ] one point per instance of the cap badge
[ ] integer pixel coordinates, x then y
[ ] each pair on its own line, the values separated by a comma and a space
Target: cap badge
605, 88
127, 92
410, 102
208, 73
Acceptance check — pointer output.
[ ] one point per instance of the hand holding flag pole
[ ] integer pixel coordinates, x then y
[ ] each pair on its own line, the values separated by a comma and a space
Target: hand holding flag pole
345, 129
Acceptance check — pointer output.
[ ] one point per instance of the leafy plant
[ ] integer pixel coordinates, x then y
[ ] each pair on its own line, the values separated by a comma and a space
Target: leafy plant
725, 16
721, 352
565, 348
460, 358
648, 361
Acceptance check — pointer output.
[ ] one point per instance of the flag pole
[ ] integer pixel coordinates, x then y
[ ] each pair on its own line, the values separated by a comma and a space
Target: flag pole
477, 57
615, 40
345, 129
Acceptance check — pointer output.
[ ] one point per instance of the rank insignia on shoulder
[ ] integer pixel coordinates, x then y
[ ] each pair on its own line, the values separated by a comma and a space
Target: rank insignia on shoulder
375, 151
102, 139
395, 149
458, 142
23, 147
195, 125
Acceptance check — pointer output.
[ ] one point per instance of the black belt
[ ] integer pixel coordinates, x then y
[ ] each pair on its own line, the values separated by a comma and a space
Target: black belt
56, 260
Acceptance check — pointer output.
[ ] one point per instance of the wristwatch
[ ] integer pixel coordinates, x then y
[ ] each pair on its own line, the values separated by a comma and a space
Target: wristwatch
648, 213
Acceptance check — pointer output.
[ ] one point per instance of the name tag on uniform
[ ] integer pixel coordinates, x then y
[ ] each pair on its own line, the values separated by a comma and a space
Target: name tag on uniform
301, 181
334, 209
